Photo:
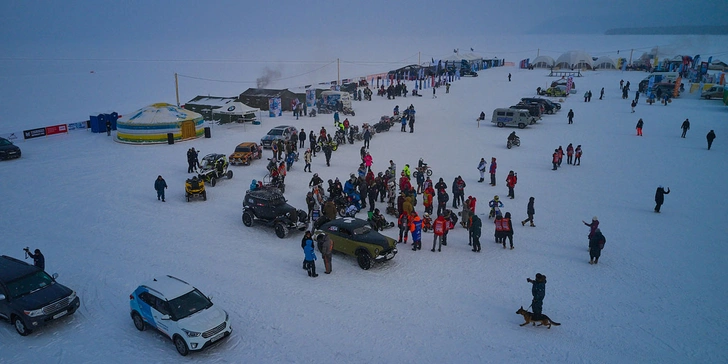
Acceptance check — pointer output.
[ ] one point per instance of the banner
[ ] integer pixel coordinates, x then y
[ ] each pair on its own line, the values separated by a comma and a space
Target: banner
676, 90
34, 133
650, 85
310, 97
79, 125
569, 84
274, 107
56, 129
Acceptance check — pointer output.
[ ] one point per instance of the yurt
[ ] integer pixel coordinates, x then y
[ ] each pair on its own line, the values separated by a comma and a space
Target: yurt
151, 124
543, 62
574, 60
605, 63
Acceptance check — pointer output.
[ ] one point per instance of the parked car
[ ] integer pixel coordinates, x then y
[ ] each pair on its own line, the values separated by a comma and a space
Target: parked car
563, 82
179, 311
8, 150
715, 92
30, 298
468, 72
245, 153
534, 109
549, 106
282, 132
512, 117
355, 237
556, 91
270, 207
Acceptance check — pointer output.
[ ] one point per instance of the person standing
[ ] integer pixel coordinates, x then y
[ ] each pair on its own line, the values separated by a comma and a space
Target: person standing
660, 197
108, 128
416, 231
327, 153
640, 123
481, 169
38, 258
307, 159
577, 155
439, 227
302, 138
476, 226
500, 230
530, 211
511, 183
327, 249
367, 137
710, 137
634, 103
555, 159
493, 167
442, 198
160, 185
570, 115
596, 244
593, 226
509, 77
685, 127
601, 94
538, 290
434, 96
403, 224
309, 255
312, 142
569, 153
508, 232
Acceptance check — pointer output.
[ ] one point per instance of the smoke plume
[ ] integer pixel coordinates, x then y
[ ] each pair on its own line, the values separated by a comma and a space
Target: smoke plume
268, 76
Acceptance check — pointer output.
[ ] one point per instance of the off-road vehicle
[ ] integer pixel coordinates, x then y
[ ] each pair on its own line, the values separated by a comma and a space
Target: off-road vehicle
269, 206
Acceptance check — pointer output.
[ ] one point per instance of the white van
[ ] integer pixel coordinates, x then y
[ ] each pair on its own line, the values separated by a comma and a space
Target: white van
512, 117
660, 77
715, 92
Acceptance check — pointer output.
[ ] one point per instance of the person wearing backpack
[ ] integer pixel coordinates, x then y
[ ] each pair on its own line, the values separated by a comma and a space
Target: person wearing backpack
596, 244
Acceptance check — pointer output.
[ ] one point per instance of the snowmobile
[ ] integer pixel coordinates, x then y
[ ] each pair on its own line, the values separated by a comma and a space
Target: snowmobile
195, 188
213, 167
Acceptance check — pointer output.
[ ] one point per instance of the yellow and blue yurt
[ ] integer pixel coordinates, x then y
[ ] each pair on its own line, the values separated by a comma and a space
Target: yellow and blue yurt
151, 124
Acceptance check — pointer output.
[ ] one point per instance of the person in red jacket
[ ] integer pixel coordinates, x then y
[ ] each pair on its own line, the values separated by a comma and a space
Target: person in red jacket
555, 159
439, 228
569, 153
427, 198
500, 230
493, 167
561, 155
511, 181
508, 232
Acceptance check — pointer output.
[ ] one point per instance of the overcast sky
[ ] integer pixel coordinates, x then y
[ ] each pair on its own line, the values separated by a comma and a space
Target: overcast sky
99, 21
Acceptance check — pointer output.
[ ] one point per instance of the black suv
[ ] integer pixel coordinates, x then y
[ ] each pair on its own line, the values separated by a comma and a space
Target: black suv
8, 150
30, 298
534, 109
270, 207
549, 106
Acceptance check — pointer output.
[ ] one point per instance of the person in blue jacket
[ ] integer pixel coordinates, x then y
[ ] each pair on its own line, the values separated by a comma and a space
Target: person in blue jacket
350, 190
309, 261
538, 290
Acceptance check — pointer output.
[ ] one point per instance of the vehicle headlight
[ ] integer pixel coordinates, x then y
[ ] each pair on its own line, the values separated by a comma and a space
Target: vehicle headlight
376, 251
226, 315
34, 313
192, 333
72, 297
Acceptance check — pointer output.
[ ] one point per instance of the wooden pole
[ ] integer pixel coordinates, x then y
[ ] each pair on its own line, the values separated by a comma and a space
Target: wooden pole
176, 87
338, 74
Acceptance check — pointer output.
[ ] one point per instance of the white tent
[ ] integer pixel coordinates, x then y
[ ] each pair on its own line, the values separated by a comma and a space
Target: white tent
235, 111
605, 63
543, 62
574, 60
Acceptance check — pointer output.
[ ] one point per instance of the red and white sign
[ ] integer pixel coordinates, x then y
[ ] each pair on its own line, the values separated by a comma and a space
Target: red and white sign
56, 129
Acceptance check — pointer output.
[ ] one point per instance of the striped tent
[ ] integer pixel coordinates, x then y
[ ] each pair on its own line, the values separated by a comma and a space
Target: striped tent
151, 124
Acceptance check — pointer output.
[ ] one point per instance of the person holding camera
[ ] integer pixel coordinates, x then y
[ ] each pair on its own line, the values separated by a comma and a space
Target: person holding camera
38, 258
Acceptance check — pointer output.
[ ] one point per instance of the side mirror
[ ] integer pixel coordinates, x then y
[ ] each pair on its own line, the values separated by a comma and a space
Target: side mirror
55, 275
165, 317
209, 297
2, 297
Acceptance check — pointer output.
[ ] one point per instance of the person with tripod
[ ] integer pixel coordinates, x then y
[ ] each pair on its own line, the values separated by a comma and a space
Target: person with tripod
38, 258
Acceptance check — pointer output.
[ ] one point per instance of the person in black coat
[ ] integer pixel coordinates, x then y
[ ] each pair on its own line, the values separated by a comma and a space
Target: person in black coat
685, 127
442, 198
570, 115
312, 142
710, 137
302, 138
538, 290
660, 197
38, 258
530, 211
596, 244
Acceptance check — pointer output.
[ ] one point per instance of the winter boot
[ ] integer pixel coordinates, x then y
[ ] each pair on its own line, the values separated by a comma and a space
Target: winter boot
532, 225
523, 223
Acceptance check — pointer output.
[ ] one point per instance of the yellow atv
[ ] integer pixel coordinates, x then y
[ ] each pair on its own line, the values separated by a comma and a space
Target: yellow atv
195, 188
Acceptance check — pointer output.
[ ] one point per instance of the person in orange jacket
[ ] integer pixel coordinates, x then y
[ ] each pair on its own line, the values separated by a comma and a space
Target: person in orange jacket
427, 198
511, 181
416, 230
569, 153
555, 159
439, 228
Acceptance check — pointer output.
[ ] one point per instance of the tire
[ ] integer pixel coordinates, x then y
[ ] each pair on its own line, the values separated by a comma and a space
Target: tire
414, 174
353, 114
509, 145
204, 196
429, 173
500, 125
521, 126
317, 148
138, 321
213, 181
248, 218
364, 260
20, 326
230, 174
180, 345
424, 229
707, 97
342, 212
188, 197
281, 230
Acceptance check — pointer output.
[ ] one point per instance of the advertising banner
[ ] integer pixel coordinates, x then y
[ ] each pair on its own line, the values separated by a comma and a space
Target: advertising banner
310, 97
56, 129
79, 125
274, 107
569, 84
34, 133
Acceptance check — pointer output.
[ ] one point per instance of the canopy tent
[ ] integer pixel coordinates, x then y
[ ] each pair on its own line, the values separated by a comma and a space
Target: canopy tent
605, 63
152, 123
574, 60
234, 111
718, 65
543, 62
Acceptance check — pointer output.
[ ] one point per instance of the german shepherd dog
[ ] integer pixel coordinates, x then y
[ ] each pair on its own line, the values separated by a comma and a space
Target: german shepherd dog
528, 316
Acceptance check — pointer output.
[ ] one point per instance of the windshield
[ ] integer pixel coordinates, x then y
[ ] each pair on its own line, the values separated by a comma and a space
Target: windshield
242, 149
5, 142
29, 284
362, 230
276, 132
188, 304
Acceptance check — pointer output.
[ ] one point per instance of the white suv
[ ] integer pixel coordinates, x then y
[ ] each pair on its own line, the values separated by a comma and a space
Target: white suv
179, 311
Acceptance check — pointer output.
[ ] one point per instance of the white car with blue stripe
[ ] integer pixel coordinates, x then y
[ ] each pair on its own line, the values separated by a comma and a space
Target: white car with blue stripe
179, 311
